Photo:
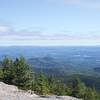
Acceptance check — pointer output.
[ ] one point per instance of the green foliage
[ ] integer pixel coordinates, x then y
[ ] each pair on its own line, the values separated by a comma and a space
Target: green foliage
79, 88
17, 72
69, 89
56, 86
41, 85
23, 75
1, 75
60, 89
91, 94
8, 76
52, 84
81, 91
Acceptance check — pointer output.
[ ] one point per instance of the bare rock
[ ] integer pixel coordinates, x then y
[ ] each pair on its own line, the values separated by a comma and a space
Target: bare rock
10, 92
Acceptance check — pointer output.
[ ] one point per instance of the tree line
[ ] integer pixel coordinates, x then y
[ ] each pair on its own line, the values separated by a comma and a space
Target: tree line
18, 72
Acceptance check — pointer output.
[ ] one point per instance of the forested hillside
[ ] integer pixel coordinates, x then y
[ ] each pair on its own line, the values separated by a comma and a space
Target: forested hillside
17, 72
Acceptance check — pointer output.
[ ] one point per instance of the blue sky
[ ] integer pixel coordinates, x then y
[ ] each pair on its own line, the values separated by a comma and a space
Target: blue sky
49, 22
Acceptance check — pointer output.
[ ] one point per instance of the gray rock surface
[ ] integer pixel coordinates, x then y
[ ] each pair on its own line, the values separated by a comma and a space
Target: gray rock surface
10, 92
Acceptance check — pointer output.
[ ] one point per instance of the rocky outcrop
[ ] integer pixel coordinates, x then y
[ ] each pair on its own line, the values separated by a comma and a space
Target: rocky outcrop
10, 92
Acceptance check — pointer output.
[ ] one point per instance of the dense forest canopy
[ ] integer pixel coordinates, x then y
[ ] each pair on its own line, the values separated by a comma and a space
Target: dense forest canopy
18, 72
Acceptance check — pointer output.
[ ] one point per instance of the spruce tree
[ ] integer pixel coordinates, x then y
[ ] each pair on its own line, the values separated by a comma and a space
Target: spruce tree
69, 89
60, 89
79, 88
23, 76
41, 85
52, 84
7, 68
91, 94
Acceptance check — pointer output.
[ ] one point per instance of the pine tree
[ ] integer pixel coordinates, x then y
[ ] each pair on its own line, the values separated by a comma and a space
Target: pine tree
79, 88
69, 89
41, 85
52, 84
91, 94
60, 89
1, 74
7, 69
23, 76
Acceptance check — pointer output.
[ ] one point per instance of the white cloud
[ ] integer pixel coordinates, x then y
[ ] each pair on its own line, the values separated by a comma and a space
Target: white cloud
4, 29
10, 37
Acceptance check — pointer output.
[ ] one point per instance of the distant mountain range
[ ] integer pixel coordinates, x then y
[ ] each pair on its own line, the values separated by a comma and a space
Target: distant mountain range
58, 59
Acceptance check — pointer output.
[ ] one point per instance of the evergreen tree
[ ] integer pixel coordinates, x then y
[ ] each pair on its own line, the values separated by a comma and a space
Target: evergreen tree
79, 88
23, 76
41, 85
7, 70
1, 74
52, 84
60, 89
91, 94
18, 73
69, 89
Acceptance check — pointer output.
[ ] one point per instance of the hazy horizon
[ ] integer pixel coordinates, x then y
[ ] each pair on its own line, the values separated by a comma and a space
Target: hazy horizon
49, 22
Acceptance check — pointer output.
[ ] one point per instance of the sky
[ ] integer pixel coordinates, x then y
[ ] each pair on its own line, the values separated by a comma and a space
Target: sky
49, 22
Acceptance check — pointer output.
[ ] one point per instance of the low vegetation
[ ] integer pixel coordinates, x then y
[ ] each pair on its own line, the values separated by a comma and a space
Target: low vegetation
18, 73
